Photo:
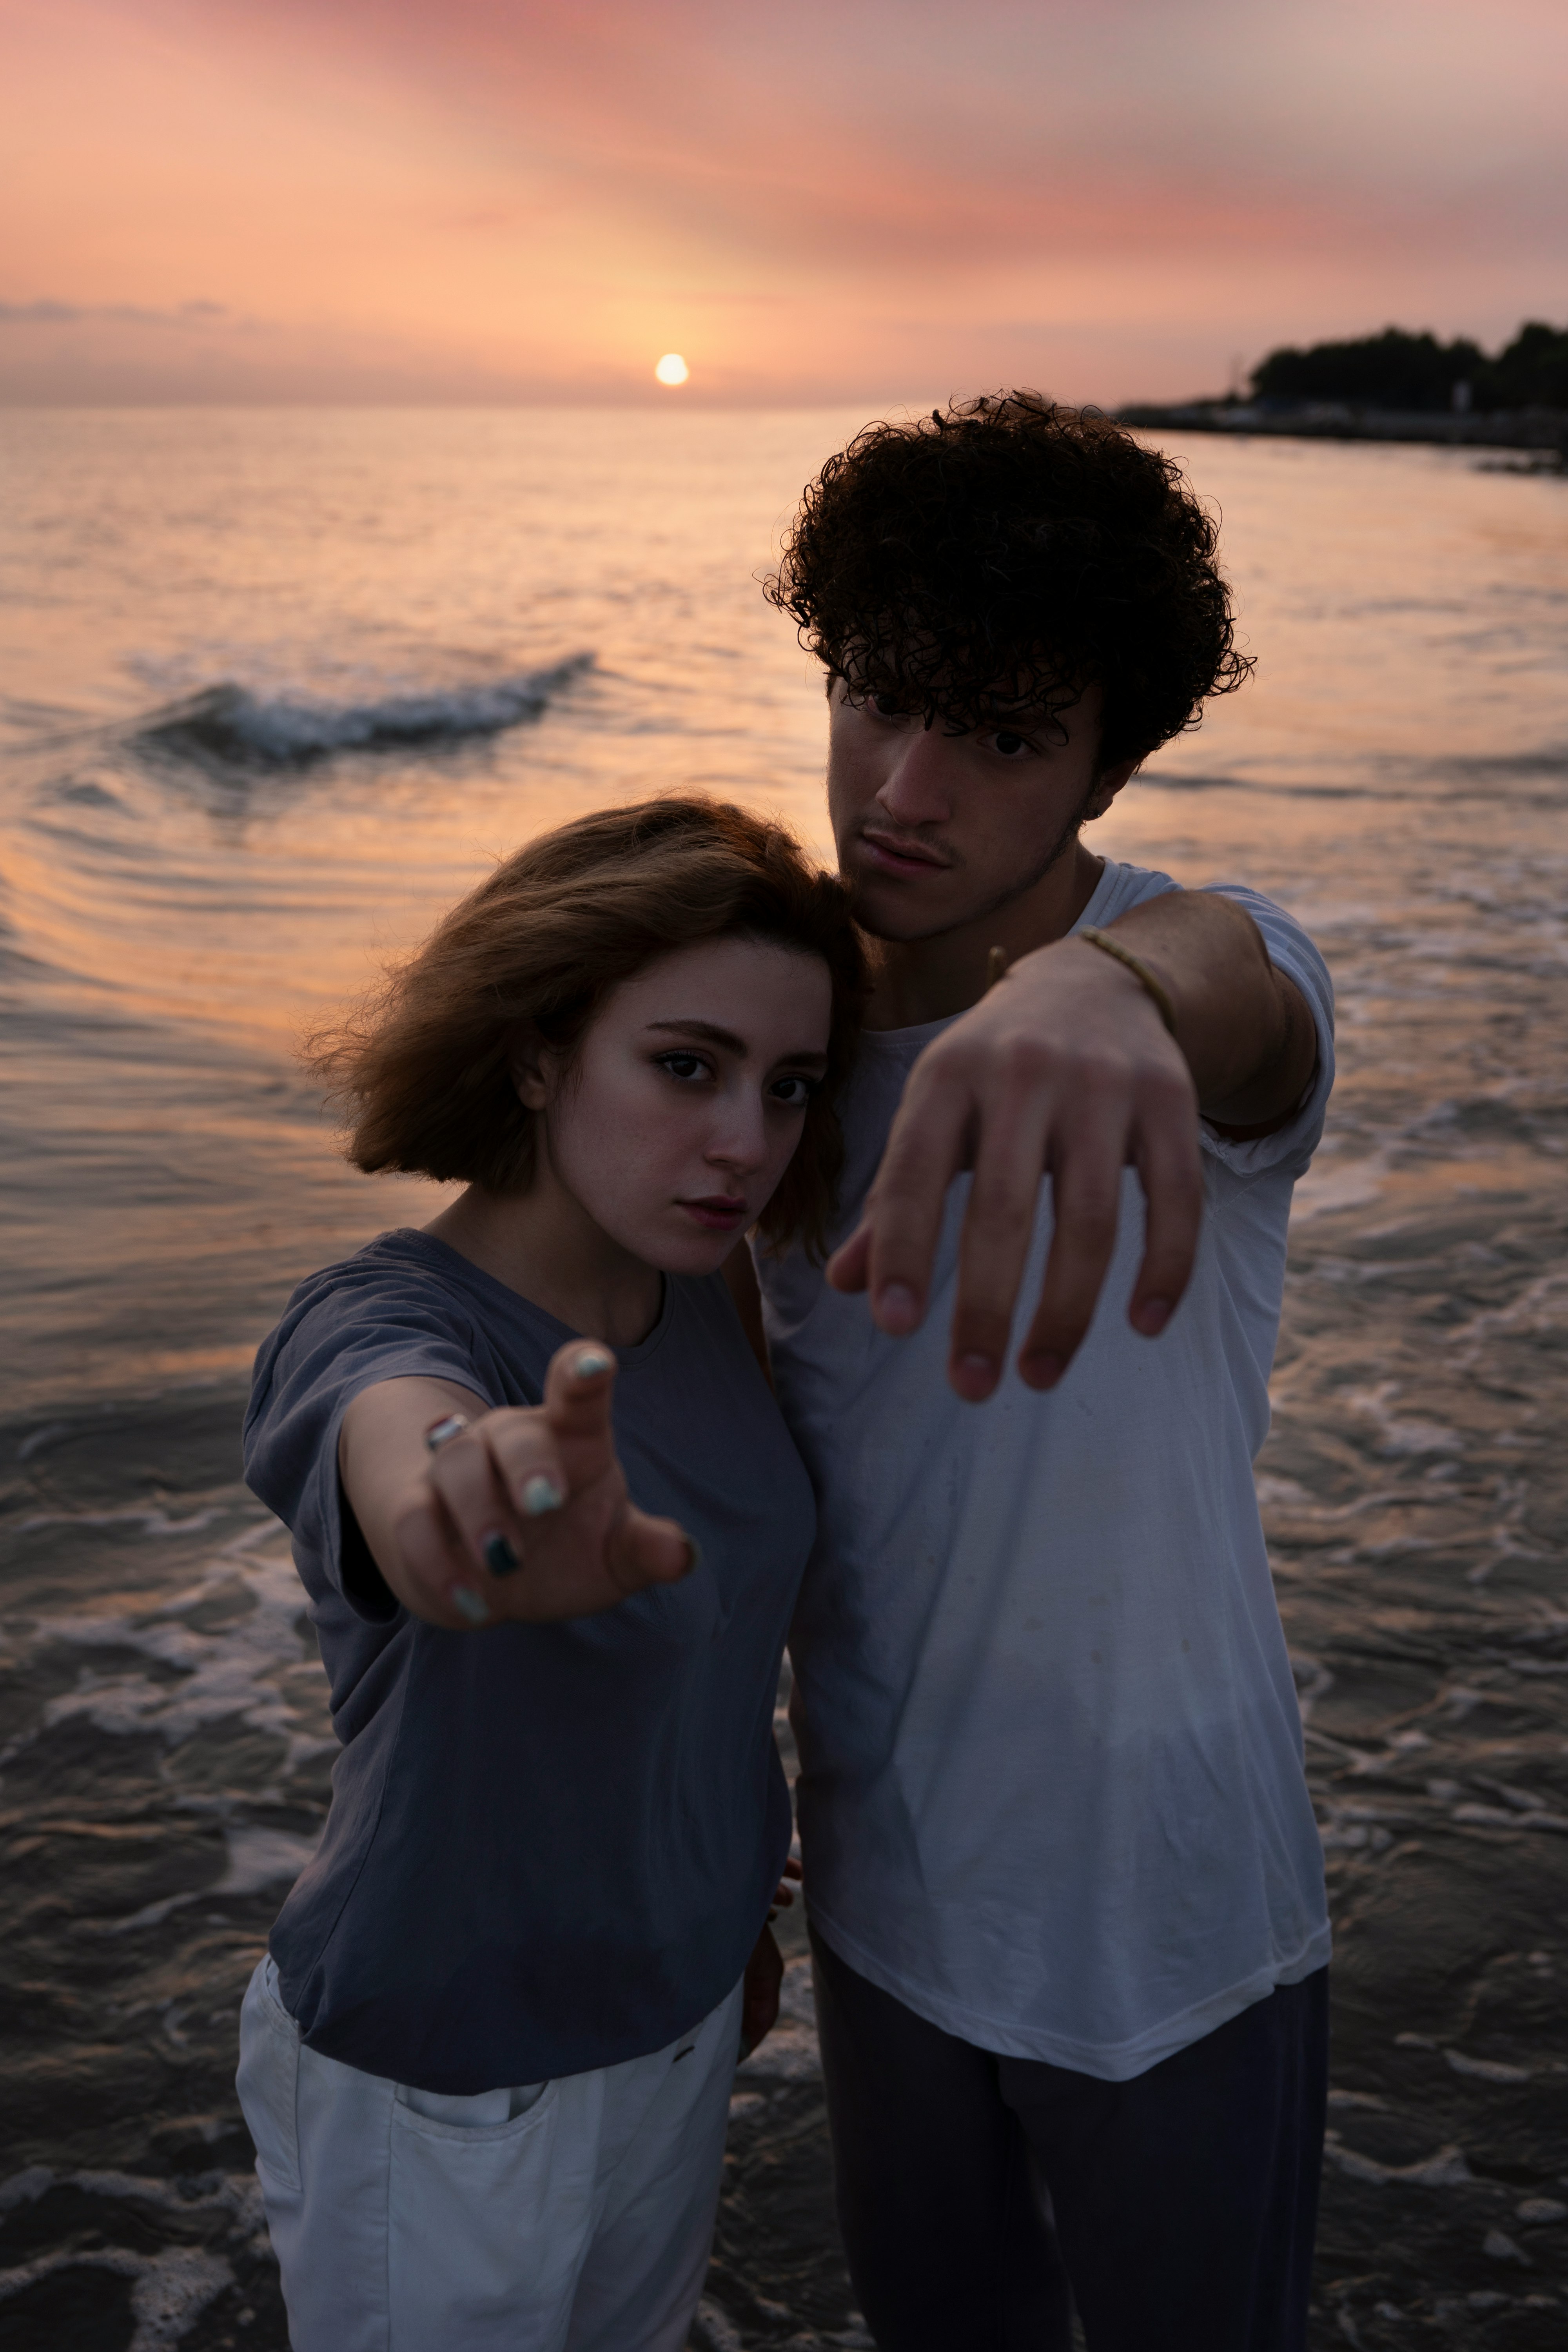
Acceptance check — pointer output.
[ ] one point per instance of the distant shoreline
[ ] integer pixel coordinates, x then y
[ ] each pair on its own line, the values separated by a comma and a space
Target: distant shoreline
1543, 430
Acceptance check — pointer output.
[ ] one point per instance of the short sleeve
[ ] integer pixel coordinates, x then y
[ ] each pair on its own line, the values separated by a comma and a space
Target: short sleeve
1290, 1148
341, 1333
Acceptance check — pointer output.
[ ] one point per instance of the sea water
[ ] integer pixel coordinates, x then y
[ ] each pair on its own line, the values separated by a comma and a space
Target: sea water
277, 686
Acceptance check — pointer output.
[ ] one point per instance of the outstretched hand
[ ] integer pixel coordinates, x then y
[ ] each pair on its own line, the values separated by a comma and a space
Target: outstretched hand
1064, 1069
522, 1516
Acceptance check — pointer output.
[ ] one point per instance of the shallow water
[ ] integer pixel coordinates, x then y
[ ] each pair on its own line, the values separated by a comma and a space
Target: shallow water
277, 685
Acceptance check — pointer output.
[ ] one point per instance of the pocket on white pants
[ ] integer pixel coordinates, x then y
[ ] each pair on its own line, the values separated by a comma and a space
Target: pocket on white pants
267, 2080
487, 2225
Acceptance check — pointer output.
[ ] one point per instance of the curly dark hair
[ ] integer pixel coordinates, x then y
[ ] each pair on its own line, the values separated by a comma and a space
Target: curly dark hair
998, 557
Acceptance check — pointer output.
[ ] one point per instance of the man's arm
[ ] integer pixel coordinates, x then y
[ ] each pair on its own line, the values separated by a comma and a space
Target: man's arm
1067, 1067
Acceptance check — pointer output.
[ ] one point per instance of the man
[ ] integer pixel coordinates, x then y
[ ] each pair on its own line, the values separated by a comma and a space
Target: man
1064, 1883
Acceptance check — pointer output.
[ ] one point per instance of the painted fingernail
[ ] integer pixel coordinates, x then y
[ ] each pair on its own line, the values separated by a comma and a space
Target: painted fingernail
541, 1495
469, 1605
898, 1307
589, 1365
501, 1556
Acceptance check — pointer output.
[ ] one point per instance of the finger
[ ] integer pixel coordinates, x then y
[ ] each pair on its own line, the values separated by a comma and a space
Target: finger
849, 1268
1087, 1196
528, 1458
467, 1478
925, 1151
440, 1582
1170, 1168
641, 1550
999, 1226
579, 1388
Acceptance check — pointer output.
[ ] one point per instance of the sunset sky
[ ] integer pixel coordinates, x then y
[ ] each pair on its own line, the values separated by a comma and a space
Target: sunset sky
494, 200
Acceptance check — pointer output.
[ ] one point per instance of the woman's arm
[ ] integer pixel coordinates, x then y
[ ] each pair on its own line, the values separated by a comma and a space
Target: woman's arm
523, 1516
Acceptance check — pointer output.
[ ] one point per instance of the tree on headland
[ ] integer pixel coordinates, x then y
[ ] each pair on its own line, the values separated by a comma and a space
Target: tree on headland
1402, 370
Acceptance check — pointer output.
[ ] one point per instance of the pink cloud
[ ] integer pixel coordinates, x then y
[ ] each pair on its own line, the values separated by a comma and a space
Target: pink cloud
818, 198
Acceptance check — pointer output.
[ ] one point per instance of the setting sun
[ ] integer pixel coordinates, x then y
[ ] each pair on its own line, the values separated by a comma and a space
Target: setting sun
672, 369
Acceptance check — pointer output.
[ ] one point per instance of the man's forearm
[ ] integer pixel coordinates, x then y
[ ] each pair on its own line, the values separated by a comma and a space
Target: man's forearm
1244, 1028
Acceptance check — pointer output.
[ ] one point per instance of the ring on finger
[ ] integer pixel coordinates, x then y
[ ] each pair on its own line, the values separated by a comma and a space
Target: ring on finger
441, 1433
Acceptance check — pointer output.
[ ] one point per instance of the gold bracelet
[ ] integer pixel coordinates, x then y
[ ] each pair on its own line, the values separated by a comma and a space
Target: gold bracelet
1155, 990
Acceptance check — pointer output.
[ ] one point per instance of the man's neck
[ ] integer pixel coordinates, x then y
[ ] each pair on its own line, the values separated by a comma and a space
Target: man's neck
933, 978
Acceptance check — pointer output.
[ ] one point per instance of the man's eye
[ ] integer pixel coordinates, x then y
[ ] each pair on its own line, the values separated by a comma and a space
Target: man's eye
683, 1066
1010, 745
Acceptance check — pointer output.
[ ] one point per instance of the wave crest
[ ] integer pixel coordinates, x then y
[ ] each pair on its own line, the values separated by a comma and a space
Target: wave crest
230, 724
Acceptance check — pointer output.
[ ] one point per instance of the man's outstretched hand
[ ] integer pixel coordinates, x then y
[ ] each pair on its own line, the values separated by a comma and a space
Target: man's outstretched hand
522, 1516
1065, 1069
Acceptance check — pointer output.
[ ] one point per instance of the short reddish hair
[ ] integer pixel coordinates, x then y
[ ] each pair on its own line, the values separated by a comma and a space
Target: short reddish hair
423, 1068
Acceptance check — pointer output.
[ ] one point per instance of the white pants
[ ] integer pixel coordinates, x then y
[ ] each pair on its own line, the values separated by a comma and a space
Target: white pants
572, 2216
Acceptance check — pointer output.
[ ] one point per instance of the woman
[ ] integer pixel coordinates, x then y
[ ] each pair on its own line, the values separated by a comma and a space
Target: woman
487, 2060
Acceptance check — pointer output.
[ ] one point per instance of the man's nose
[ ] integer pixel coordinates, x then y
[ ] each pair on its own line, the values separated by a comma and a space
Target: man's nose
917, 788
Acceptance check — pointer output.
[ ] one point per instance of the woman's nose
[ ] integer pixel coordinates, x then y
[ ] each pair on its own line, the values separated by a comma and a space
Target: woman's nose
740, 1140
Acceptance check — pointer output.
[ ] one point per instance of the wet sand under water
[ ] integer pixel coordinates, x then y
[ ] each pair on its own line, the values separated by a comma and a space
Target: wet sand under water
1398, 776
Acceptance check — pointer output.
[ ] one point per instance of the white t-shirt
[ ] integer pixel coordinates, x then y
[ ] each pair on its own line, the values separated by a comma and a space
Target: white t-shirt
1051, 1790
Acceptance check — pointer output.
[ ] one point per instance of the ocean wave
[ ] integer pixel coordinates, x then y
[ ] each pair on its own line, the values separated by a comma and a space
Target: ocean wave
229, 723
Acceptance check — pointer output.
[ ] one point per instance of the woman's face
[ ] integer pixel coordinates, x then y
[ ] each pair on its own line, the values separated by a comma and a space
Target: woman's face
676, 1122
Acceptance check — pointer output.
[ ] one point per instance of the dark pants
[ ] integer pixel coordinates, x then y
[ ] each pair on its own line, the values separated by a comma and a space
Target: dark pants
1179, 2207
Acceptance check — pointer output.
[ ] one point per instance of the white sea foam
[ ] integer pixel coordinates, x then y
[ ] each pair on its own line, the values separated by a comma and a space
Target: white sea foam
230, 1670
229, 724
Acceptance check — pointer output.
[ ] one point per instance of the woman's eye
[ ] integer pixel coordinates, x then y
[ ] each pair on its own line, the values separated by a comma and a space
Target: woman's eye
683, 1066
794, 1093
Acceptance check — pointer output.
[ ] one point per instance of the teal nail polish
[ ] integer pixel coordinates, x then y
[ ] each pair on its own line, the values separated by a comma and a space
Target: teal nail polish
589, 1366
541, 1495
501, 1556
468, 1604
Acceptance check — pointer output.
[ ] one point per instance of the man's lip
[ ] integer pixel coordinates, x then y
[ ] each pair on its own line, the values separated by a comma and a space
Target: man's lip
902, 854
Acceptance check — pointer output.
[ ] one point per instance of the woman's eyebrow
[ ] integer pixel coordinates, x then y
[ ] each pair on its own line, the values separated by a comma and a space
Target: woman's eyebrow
709, 1031
711, 1035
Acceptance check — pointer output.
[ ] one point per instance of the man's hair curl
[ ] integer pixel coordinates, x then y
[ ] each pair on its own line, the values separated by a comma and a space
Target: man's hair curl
995, 558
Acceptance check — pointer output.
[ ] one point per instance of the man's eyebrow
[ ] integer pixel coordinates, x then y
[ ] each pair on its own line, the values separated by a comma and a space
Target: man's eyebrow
711, 1035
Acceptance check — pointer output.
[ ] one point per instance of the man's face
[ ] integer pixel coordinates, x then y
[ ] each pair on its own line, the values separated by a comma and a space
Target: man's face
935, 831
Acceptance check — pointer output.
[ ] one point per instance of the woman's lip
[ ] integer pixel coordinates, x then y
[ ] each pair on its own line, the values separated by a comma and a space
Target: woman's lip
896, 860
720, 1210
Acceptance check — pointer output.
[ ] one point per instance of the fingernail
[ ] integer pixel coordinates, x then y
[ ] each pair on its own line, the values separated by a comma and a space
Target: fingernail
468, 1604
589, 1365
1152, 1317
693, 1555
541, 1495
501, 1556
1040, 1371
898, 1307
977, 1368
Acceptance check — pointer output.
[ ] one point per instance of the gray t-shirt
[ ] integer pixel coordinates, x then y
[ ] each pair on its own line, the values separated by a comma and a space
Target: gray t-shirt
550, 1847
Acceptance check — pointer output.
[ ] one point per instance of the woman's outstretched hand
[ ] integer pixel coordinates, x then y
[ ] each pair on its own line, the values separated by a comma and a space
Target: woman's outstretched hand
522, 1517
